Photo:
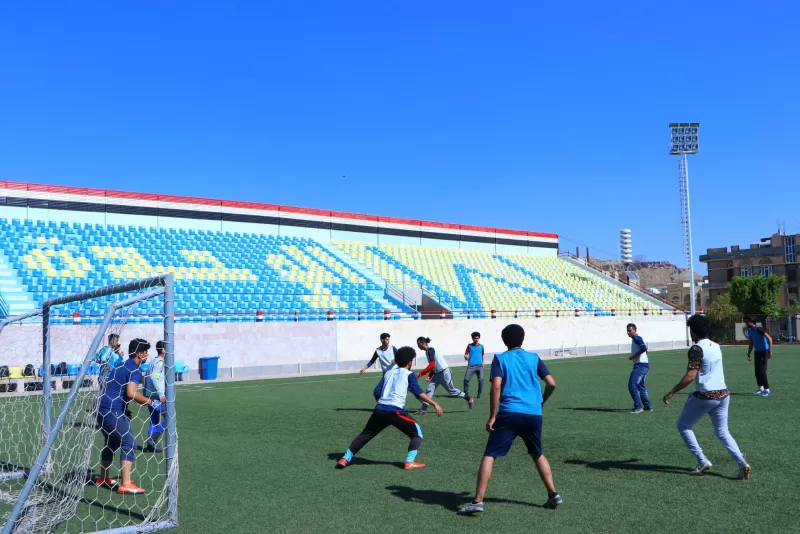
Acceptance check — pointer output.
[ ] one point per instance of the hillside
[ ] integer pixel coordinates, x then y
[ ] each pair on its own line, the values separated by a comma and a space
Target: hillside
652, 274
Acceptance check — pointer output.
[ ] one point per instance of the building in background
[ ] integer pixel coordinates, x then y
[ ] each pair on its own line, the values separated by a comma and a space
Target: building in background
771, 255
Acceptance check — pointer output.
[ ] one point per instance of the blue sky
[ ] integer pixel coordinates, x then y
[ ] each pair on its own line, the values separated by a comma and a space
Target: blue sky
529, 115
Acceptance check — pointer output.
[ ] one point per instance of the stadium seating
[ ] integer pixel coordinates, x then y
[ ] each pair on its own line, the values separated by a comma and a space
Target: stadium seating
477, 280
225, 276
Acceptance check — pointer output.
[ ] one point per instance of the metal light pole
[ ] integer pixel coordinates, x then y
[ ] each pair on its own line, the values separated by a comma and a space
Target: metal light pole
684, 142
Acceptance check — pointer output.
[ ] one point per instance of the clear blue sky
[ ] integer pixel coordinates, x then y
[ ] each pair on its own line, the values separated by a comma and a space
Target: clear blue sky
548, 116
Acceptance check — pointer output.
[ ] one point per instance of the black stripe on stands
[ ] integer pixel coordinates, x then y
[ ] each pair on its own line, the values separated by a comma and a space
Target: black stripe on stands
264, 219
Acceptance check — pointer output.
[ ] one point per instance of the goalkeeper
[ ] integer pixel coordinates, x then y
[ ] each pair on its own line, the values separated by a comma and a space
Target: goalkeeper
154, 390
115, 419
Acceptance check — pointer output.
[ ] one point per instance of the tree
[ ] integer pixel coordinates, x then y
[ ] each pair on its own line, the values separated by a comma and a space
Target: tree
724, 316
757, 295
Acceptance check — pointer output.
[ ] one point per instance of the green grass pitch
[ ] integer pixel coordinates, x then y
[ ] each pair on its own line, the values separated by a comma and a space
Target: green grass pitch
259, 457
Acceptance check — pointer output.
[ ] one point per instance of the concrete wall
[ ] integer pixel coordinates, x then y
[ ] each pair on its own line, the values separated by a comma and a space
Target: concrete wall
279, 349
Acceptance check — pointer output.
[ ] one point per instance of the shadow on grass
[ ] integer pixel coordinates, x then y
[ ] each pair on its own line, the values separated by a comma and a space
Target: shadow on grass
448, 500
634, 465
591, 409
357, 460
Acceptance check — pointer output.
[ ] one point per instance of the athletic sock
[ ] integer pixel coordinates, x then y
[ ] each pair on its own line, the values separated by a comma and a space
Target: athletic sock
411, 456
348, 456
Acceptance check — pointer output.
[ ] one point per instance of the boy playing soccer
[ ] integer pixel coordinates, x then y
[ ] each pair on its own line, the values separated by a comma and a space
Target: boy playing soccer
154, 389
439, 374
516, 403
641, 365
385, 354
762, 342
711, 397
391, 410
474, 356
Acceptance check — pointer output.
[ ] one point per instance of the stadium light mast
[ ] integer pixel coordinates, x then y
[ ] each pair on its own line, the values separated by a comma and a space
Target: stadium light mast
685, 141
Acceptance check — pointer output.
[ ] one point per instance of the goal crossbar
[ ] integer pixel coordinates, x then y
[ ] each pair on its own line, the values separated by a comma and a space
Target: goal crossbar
164, 285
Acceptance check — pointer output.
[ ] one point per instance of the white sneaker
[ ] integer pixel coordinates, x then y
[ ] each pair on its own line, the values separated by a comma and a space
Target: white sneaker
471, 508
637, 410
766, 394
759, 392
702, 467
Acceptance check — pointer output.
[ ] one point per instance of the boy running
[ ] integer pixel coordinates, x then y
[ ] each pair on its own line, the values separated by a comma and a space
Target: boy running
762, 342
474, 356
516, 403
439, 374
710, 397
641, 365
391, 410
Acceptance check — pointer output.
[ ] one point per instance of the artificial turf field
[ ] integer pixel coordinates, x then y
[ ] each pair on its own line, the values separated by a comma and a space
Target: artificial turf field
259, 457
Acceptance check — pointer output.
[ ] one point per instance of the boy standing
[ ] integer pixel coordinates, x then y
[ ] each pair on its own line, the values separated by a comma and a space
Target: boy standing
391, 410
474, 356
154, 389
516, 410
641, 365
385, 354
762, 343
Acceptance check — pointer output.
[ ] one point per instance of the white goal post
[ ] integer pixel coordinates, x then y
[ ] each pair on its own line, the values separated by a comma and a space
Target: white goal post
46, 465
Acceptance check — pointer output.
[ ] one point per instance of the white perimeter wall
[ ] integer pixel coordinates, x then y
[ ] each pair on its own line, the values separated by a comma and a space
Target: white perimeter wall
273, 349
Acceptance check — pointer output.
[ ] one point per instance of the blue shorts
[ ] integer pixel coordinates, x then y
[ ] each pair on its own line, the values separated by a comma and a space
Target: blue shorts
507, 426
117, 435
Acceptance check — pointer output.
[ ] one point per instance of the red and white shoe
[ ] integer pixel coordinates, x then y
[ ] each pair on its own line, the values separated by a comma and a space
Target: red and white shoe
129, 489
342, 463
413, 465
105, 483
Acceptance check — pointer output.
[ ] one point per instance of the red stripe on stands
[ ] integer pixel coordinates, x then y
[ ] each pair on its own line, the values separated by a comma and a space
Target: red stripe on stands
109, 195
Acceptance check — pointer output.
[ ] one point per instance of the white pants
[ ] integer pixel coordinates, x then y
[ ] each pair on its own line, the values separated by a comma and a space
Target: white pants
693, 411
444, 379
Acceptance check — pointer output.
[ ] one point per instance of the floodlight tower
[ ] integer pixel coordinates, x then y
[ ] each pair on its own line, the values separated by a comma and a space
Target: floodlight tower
685, 141
625, 248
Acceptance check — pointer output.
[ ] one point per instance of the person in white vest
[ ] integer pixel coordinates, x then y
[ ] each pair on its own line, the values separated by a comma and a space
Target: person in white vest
384, 354
711, 397
439, 374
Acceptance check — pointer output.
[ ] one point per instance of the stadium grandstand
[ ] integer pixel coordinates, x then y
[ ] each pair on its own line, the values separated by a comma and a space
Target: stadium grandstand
243, 261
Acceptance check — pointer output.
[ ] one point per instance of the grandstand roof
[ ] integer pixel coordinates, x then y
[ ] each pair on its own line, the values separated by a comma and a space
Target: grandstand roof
87, 199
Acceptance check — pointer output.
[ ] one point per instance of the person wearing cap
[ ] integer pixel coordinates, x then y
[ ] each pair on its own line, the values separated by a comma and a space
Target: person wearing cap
154, 390
114, 418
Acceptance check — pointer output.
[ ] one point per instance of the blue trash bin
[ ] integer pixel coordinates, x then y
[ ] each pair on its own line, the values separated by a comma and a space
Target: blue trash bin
208, 367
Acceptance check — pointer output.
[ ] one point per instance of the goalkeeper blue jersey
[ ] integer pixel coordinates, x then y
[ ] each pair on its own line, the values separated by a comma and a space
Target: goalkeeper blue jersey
114, 396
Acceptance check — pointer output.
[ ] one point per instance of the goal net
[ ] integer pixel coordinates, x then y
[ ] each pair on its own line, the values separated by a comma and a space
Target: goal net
52, 440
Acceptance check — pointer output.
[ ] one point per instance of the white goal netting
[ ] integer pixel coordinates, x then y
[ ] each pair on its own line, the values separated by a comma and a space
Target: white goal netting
70, 494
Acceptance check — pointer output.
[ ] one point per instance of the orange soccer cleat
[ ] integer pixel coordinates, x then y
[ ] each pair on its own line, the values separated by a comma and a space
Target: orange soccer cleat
342, 463
413, 465
105, 483
129, 488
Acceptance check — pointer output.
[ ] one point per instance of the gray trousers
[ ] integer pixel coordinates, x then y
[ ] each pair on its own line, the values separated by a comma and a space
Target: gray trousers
471, 371
444, 379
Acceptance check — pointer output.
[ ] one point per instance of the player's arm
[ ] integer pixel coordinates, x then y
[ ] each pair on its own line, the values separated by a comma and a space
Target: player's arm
132, 391
159, 380
413, 386
642, 347
549, 382
749, 348
378, 391
428, 370
370, 363
695, 360
466, 353
496, 378
769, 339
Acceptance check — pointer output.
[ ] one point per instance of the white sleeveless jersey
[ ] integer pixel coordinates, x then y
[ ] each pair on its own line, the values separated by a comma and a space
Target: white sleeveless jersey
395, 387
433, 356
386, 357
710, 376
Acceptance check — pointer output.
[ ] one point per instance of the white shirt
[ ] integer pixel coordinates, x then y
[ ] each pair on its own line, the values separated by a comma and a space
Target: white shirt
386, 357
395, 387
710, 376
433, 356
637, 343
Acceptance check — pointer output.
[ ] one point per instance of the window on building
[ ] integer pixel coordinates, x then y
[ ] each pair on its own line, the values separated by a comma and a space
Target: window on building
766, 270
746, 270
791, 273
789, 249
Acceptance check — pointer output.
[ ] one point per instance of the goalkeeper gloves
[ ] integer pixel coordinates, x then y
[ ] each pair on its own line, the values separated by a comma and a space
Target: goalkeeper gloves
159, 406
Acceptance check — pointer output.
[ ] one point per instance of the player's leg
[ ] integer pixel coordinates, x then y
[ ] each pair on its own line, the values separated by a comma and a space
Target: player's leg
408, 426
375, 425
467, 377
692, 412
111, 444
445, 379
633, 388
430, 392
529, 428
498, 445
757, 372
480, 381
643, 387
126, 456
719, 422
761, 362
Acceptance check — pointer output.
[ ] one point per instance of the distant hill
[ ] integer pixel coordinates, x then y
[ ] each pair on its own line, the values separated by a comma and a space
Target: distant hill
652, 274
